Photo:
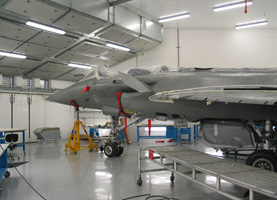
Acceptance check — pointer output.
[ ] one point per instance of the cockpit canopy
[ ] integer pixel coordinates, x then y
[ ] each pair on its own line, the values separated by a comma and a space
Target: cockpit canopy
157, 69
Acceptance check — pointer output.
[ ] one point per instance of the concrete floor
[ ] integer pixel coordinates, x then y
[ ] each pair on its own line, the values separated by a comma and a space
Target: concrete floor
56, 174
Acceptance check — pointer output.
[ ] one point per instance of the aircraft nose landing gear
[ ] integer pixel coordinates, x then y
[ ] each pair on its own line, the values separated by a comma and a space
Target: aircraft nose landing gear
114, 146
112, 149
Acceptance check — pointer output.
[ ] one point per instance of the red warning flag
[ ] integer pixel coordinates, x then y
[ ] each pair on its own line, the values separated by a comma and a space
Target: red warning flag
149, 126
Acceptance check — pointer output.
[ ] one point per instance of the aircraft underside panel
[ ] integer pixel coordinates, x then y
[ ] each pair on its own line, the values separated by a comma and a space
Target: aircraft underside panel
226, 135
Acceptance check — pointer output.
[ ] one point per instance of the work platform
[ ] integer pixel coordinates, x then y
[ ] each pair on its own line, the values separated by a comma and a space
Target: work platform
175, 158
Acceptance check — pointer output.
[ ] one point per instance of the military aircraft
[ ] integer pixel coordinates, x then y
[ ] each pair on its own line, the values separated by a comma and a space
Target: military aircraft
235, 101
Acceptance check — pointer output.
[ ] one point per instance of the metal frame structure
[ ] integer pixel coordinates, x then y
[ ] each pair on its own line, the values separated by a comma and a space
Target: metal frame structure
254, 179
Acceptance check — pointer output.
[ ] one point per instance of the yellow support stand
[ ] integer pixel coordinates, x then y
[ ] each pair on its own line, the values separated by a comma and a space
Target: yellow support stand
75, 134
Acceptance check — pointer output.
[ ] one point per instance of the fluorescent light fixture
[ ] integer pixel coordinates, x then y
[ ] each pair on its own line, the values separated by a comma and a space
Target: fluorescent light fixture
174, 17
80, 66
251, 24
13, 55
47, 28
231, 5
117, 47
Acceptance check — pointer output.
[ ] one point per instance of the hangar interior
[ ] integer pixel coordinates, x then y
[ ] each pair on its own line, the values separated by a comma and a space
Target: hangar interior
90, 28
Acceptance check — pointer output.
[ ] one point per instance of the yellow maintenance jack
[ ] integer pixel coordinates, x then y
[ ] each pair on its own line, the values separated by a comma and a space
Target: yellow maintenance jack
75, 134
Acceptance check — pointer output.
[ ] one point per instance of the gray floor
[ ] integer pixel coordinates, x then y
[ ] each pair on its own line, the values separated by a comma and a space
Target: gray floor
91, 175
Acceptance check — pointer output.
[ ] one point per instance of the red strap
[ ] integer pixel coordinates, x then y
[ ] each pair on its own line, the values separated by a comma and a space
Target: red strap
73, 103
87, 88
118, 96
245, 6
149, 126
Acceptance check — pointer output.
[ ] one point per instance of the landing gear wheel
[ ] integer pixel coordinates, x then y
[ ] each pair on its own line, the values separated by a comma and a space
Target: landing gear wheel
172, 178
118, 151
264, 159
101, 149
139, 182
7, 174
109, 150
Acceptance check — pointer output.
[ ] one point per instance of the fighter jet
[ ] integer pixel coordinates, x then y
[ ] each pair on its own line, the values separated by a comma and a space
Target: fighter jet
233, 101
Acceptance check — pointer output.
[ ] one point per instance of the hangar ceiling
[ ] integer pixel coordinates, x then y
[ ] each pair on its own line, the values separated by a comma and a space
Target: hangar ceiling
91, 24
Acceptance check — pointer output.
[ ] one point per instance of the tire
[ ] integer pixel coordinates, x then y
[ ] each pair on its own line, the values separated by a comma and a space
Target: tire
139, 182
7, 174
264, 159
109, 150
172, 178
119, 151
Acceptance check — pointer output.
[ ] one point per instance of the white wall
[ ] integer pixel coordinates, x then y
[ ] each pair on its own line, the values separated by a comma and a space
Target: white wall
60, 84
211, 48
21, 113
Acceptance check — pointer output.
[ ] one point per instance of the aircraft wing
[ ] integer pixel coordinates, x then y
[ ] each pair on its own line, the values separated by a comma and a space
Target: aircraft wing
227, 94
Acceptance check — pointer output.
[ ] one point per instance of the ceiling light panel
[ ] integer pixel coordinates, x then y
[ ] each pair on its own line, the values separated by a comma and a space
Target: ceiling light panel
80, 23
231, 5
118, 55
36, 50
42, 74
17, 32
8, 44
20, 63
90, 48
52, 40
75, 57
11, 71
59, 69
118, 36
142, 44
36, 10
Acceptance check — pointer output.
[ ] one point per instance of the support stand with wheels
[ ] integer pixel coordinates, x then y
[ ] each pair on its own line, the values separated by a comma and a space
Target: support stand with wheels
75, 135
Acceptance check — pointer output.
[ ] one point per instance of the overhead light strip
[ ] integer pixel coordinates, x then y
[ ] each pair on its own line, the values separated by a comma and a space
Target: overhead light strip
173, 17
231, 5
117, 47
13, 55
80, 66
251, 24
47, 28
